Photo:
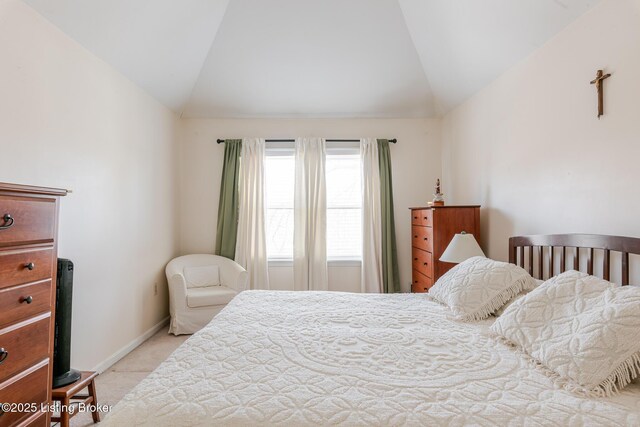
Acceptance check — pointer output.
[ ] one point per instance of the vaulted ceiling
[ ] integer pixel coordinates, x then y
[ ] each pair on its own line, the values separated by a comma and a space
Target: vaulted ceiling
311, 58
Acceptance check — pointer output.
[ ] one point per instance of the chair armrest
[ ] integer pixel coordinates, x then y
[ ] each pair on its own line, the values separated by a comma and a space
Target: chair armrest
232, 275
177, 291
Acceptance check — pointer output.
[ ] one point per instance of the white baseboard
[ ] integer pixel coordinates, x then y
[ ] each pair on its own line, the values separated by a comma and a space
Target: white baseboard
111, 360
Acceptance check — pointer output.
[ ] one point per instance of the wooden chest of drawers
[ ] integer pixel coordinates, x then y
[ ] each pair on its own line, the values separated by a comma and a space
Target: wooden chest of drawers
432, 229
28, 262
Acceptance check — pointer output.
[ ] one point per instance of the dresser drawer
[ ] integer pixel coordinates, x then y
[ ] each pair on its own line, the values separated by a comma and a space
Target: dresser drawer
31, 389
15, 305
25, 266
422, 217
423, 262
37, 420
26, 219
24, 345
422, 237
421, 283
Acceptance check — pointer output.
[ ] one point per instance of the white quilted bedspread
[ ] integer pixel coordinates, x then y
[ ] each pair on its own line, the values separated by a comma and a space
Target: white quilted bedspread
322, 358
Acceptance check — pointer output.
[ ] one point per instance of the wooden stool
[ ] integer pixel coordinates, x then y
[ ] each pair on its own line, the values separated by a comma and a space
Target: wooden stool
65, 395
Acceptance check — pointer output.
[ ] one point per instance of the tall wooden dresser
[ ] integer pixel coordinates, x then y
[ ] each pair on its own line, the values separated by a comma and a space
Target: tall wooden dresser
28, 263
432, 229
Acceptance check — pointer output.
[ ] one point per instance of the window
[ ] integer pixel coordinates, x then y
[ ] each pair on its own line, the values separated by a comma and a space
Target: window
344, 203
279, 181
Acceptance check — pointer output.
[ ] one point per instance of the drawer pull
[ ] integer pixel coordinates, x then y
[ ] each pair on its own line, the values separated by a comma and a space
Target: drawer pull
425, 239
425, 264
415, 259
426, 218
3, 355
8, 222
30, 266
28, 299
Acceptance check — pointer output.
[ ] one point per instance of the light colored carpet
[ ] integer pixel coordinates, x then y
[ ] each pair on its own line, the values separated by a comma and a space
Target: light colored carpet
113, 384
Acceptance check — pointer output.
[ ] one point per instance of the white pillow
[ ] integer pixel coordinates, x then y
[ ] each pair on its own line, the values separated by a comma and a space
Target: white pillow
522, 293
585, 330
479, 286
202, 277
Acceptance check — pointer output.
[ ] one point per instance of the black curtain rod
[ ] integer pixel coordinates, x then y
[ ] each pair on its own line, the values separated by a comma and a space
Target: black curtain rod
393, 141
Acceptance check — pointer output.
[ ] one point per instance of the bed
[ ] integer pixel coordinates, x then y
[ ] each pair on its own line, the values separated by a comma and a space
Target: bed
326, 358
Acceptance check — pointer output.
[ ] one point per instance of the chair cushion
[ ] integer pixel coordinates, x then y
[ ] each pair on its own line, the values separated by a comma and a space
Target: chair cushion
212, 295
203, 276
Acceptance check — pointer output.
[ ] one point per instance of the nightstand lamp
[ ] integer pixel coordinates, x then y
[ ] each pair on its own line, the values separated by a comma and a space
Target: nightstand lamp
462, 247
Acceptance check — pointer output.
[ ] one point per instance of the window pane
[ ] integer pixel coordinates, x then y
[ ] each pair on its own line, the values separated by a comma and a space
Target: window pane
344, 210
279, 182
343, 181
279, 223
279, 176
344, 233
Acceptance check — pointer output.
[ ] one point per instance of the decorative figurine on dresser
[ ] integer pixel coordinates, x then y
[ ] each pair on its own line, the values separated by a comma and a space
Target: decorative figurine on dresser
438, 197
432, 229
28, 254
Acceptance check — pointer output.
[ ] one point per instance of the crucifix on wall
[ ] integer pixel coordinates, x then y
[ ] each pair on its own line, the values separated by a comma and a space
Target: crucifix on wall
599, 82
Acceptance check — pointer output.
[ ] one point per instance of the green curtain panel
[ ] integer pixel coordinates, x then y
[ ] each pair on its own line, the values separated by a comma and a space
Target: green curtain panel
390, 272
227, 230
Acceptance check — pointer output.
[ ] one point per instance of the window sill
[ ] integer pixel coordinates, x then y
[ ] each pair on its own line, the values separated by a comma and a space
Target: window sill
330, 263
280, 263
344, 263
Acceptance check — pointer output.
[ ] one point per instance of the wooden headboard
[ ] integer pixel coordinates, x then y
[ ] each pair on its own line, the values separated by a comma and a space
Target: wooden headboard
534, 253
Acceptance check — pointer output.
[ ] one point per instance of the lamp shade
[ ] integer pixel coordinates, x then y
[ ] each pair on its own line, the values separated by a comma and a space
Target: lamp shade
462, 247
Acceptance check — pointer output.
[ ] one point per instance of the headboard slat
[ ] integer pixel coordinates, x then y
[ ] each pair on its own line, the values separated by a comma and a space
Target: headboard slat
540, 265
590, 242
625, 268
606, 265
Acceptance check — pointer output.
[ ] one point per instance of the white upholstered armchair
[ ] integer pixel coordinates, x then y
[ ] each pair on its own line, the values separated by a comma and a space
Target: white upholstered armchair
199, 287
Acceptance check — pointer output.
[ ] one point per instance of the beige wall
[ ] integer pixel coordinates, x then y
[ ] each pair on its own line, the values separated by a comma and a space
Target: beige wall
416, 165
68, 120
530, 149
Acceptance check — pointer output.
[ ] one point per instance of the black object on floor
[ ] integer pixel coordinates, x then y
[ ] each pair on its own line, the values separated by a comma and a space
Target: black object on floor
62, 372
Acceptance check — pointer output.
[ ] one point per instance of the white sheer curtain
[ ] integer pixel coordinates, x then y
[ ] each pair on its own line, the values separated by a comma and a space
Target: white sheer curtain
310, 216
251, 245
371, 276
